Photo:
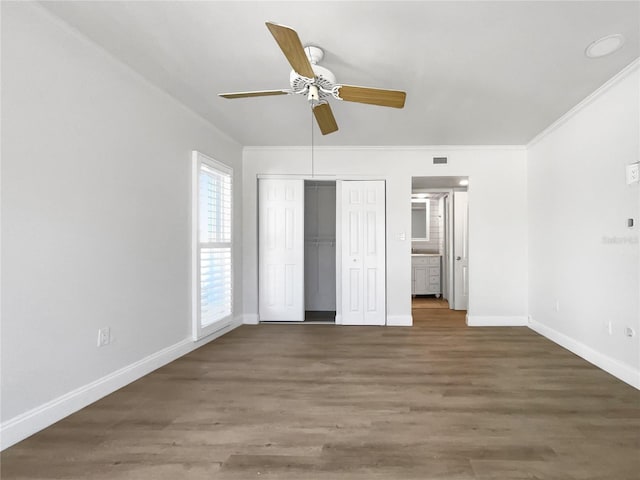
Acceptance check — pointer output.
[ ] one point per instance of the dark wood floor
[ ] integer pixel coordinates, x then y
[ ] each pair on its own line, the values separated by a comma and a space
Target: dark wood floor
435, 401
428, 301
428, 312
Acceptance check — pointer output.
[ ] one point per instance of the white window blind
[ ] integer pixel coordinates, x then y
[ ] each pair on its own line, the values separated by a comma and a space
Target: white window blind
214, 278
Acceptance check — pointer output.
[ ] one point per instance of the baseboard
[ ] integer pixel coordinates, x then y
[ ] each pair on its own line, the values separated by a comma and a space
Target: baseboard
399, 320
497, 321
250, 319
338, 319
26, 424
618, 369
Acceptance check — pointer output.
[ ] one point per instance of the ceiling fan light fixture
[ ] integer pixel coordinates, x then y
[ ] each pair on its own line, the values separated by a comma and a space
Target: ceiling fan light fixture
313, 97
605, 46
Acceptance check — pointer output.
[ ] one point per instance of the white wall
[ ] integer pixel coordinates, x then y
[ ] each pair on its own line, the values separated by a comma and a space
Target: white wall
578, 198
497, 231
95, 217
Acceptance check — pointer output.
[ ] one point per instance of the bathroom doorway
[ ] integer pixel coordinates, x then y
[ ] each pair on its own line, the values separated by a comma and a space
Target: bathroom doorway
439, 245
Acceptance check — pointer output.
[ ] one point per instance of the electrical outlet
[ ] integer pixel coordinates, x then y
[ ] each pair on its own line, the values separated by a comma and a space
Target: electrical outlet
630, 332
104, 336
633, 173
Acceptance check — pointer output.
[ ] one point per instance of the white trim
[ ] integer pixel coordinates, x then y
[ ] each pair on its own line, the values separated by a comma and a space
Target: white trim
624, 372
250, 319
448, 254
338, 251
328, 178
497, 321
26, 424
399, 321
585, 102
194, 248
389, 148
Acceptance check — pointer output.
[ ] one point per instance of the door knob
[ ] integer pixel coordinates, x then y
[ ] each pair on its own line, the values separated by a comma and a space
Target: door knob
458, 258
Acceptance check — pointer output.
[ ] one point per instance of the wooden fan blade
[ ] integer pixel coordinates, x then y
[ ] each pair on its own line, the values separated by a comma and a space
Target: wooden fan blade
372, 96
260, 93
292, 48
324, 117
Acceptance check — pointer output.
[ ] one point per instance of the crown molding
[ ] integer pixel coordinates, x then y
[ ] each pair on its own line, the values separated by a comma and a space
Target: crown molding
388, 148
618, 77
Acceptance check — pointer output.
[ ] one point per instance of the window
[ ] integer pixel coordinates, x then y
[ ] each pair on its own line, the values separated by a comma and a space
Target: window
212, 254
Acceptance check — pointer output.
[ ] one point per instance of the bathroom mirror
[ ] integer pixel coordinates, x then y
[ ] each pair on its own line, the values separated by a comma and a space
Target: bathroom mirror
420, 219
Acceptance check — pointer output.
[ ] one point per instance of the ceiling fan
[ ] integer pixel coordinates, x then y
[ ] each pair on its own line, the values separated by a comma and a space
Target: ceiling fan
318, 83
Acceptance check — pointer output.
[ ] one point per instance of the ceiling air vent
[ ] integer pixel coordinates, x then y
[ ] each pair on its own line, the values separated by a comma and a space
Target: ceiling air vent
439, 160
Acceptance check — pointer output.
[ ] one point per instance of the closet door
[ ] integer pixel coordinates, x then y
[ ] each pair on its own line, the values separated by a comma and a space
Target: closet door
363, 253
281, 250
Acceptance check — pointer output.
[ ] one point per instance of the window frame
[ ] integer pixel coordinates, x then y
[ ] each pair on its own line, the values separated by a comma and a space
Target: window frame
199, 159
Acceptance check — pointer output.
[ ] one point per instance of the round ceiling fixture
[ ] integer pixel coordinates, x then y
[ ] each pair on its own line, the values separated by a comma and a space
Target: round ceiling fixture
605, 46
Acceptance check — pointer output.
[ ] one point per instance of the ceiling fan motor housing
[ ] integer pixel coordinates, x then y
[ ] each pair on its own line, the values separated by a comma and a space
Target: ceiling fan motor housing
324, 79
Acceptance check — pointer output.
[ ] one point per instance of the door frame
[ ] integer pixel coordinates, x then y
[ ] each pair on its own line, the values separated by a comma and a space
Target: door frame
338, 179
449, 228
464, 285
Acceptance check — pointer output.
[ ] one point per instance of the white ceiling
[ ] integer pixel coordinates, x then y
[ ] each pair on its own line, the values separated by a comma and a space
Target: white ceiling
475, 73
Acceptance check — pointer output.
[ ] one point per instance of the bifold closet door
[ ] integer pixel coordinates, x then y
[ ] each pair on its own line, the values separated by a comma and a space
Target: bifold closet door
281, 249
363, 253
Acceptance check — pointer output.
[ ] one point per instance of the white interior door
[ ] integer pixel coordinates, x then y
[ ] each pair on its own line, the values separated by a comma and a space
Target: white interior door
363, 253
460, 250
281, 250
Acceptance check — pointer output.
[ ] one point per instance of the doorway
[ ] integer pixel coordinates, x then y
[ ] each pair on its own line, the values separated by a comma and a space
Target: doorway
320, 251
439, 246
